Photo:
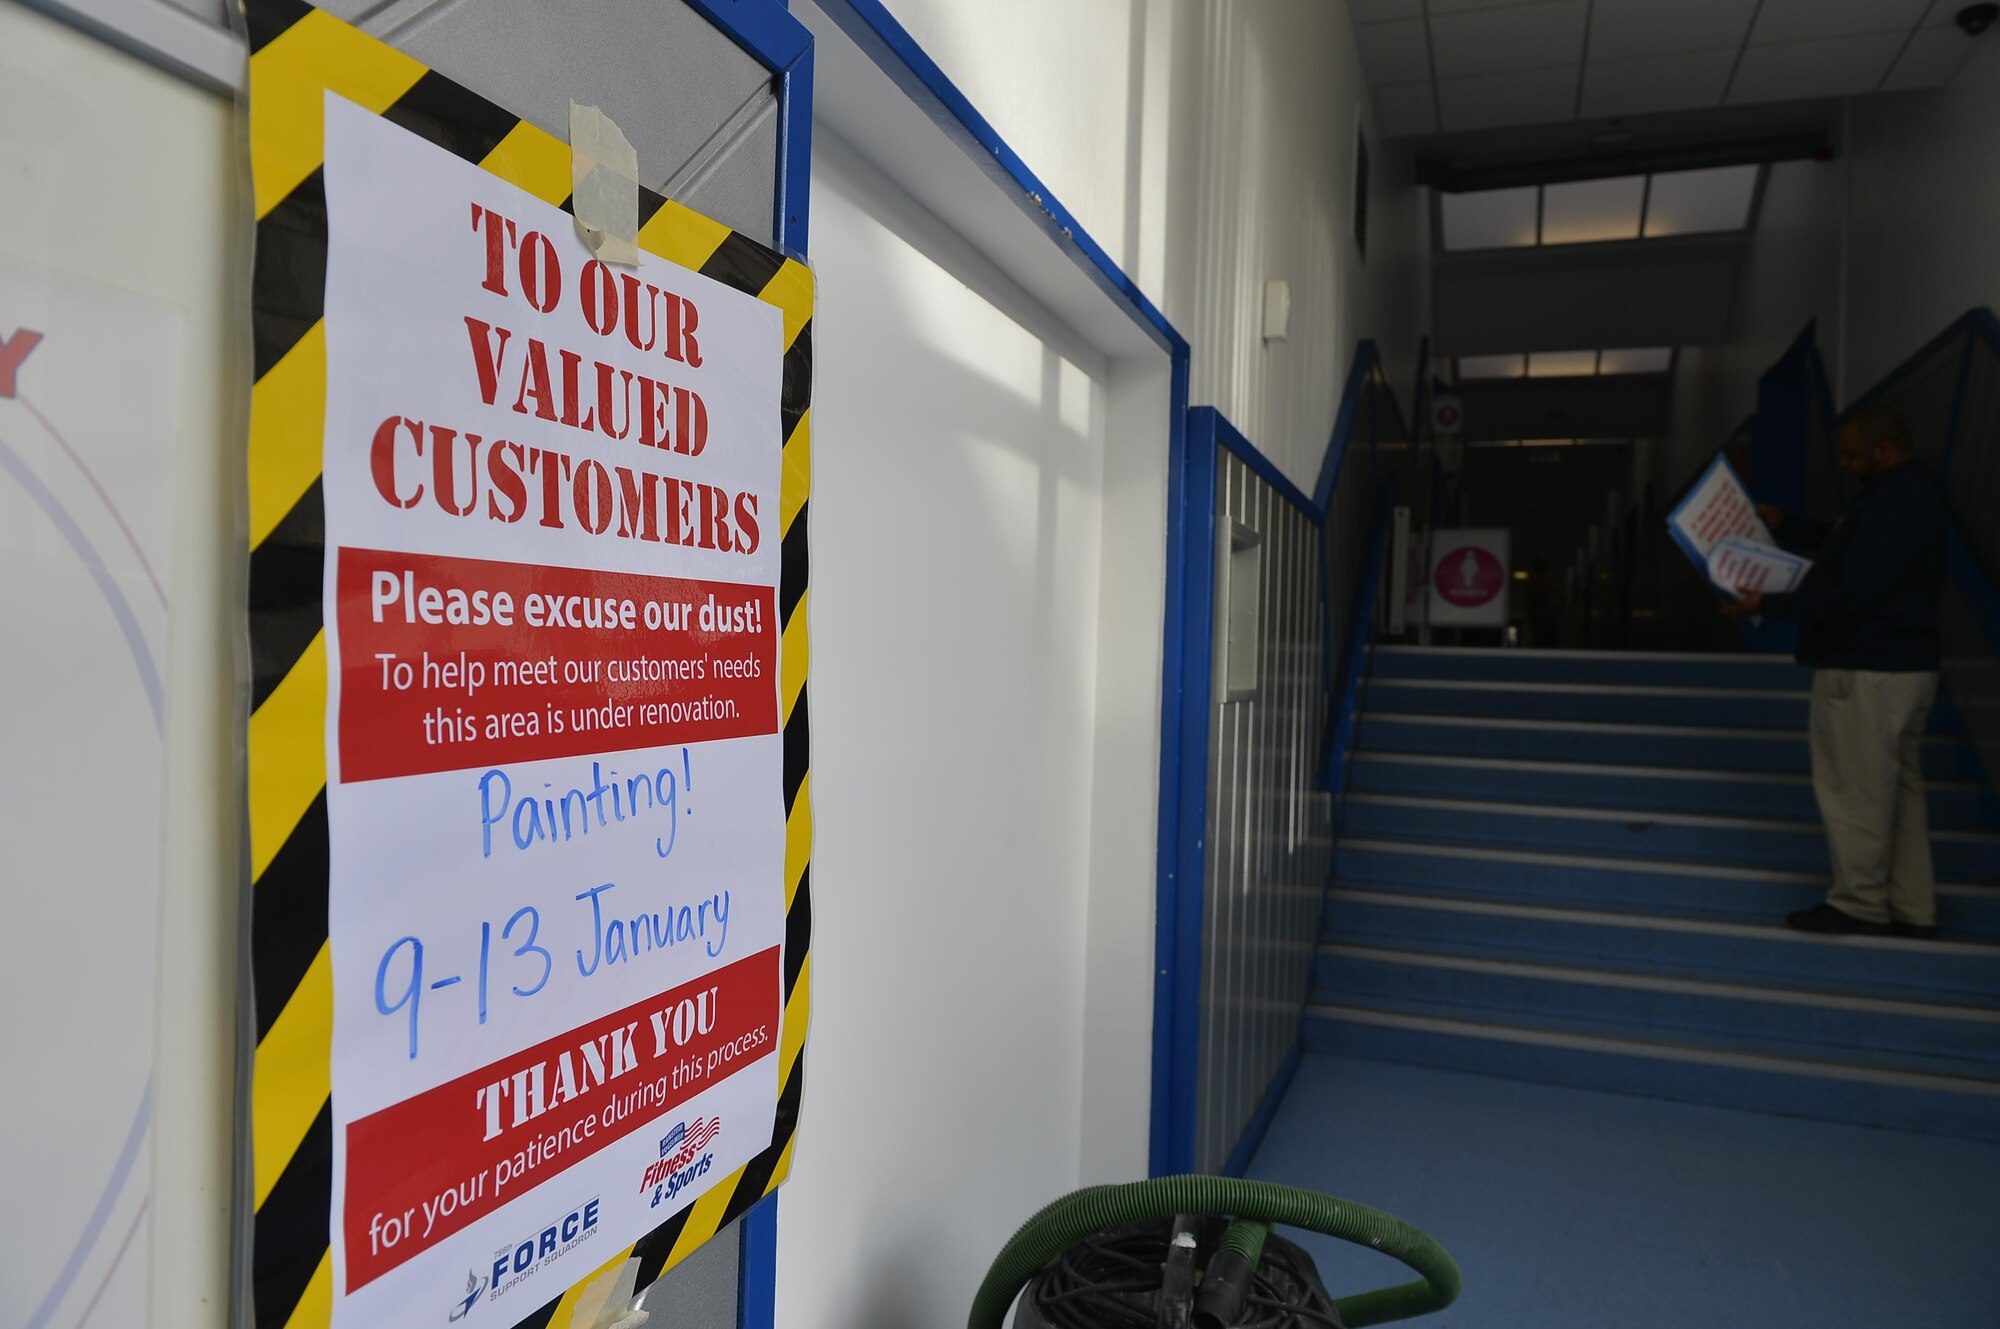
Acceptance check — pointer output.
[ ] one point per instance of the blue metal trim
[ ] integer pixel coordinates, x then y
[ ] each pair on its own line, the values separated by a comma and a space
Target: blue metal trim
1957, 409
1980, 598
1230, 437
1778, 430
1184, 782
1332, 470
783, 45
1343, 425
795, 102
1829, 411
1977, 321
1173, 756
1985, 325
1360, 632
757, 1266
1245, 1152
764, 28
892, 50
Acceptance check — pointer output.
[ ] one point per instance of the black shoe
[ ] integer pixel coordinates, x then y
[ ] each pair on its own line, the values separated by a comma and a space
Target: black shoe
1826, 918
1914, 931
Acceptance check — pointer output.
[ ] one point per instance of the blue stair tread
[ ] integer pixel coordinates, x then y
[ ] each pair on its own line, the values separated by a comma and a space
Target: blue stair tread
1958, 972
1718, 892
1954, 804
1710, 708
1573, 867
1774, 750
1921, 1037
1759, 709
1640, 834
1785, 1086
1628, 667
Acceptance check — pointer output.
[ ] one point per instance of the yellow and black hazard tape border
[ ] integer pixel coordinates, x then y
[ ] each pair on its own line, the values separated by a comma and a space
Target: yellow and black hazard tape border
298, 53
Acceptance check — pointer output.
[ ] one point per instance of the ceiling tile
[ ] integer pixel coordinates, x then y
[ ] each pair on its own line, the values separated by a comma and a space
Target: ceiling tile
1931, 60
1585, 211
1488, 218
1492, 41
1627, 29
1656, 83
1637, 360
1394, 52
1943, 14
1839, 67
1405, 108
1806, 20
1698, 202
1377, 11
1532, 96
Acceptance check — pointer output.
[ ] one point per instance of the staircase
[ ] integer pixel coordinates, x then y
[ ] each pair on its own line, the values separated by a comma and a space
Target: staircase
1573, 867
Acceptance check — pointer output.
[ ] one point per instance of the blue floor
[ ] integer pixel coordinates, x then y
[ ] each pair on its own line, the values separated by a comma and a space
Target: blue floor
1567, 1208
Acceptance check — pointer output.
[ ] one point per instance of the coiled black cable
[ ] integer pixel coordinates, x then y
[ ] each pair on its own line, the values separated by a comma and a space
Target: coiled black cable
1112, 1280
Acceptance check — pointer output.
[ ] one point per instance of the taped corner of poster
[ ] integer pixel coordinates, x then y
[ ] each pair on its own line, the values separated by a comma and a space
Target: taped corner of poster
604, 180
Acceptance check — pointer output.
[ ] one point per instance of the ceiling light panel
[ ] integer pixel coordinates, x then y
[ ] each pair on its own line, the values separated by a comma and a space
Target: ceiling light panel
1583, 211
1562, 364
1489, 218
1693, 202
1492, 366
1637, 360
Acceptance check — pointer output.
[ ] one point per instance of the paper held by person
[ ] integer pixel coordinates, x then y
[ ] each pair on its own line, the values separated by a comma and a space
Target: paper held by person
1737, 565
1717, 527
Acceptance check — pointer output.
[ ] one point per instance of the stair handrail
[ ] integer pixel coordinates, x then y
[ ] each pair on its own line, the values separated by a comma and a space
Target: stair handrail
1968, 573
1359, 420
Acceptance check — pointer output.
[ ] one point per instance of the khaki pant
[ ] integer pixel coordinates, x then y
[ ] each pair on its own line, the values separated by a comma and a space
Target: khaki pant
1867, 765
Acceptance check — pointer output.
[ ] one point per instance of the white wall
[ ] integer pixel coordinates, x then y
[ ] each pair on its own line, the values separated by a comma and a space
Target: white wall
1082, 109
1925, 205
959, 463
1904, 219
1791, 275
1208, 145
1266, 190
147, 217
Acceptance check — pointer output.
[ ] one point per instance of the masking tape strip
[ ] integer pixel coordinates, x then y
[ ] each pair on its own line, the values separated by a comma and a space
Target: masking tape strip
604, 186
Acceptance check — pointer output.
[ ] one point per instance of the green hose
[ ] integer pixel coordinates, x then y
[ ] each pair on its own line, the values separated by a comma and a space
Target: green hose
1098, 1208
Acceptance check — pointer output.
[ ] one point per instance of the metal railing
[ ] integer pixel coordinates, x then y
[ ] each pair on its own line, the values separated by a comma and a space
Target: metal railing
1948, 393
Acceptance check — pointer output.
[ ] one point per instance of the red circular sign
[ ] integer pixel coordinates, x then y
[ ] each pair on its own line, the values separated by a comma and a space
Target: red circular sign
1468, 576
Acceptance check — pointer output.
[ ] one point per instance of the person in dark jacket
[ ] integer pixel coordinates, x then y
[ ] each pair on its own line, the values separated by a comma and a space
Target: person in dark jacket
1868, 628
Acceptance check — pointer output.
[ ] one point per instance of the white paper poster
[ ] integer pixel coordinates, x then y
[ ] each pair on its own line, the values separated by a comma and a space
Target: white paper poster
1737, 565
1717, 527
555, 797
1717, 508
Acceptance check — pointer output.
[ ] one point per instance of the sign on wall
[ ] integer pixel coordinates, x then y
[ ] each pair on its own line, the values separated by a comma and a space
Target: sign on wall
1468, 578
528, 759
1447, 415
